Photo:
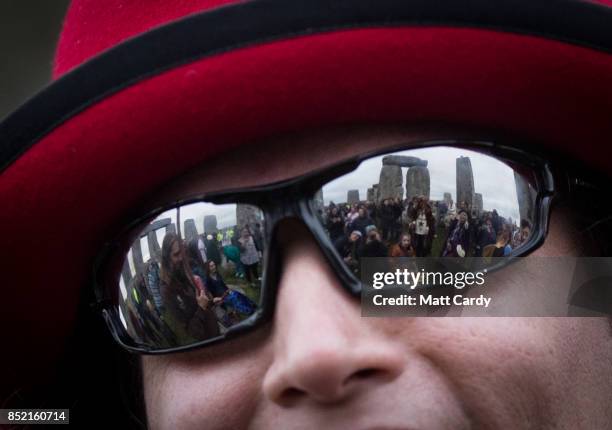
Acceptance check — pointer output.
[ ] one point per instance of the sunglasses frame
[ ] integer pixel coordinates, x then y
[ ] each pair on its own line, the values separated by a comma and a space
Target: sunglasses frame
294, 198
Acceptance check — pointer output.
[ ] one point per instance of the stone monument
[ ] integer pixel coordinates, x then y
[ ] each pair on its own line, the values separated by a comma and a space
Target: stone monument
465, 181
247, 215
417, 182
210, 223
190, 230
352, 196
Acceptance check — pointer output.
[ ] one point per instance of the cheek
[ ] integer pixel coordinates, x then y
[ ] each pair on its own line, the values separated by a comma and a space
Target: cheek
509, 370
220, 395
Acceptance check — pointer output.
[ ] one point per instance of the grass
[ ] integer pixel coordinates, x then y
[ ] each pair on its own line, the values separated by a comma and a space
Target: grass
228, 272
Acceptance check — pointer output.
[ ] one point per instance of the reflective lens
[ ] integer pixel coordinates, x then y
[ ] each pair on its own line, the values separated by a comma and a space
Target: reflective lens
430, 202
192, 273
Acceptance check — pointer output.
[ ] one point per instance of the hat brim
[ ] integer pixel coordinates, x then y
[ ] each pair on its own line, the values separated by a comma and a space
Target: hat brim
68, 179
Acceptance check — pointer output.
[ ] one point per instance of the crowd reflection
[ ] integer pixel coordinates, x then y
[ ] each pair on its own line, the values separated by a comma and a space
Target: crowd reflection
193, 289
419, 227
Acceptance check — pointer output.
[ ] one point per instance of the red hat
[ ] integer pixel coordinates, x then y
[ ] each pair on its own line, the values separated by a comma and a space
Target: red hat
172, 83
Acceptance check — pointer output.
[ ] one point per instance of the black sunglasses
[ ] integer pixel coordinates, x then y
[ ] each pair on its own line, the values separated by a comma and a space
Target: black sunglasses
190, 291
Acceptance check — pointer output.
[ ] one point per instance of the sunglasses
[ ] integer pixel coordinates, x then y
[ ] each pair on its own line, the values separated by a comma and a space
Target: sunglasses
204, 269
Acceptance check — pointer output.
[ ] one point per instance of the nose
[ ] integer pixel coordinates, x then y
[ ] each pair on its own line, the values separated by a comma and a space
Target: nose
323, 351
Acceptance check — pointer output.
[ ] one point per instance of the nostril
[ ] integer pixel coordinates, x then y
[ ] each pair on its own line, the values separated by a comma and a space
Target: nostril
289, 396
366, 373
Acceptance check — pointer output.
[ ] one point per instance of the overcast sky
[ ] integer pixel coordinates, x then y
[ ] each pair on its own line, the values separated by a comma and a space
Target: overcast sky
492, 178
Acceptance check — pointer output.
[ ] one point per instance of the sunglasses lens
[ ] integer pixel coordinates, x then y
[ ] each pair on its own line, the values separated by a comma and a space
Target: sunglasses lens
190, 274
430, 202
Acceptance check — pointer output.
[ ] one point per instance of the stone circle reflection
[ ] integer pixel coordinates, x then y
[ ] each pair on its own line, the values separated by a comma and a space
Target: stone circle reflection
193, 273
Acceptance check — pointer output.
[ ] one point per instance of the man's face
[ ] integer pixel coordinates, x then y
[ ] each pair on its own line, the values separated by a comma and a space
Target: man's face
319, 364
462, 217
354, 237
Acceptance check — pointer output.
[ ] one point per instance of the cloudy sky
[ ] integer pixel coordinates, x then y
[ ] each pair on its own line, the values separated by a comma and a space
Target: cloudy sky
492, 178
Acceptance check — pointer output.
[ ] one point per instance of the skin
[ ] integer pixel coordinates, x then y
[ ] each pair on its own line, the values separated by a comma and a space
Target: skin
320, 365
405, 241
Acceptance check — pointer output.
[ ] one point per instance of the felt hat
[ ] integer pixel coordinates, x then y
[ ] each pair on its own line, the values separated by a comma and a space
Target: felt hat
171, 83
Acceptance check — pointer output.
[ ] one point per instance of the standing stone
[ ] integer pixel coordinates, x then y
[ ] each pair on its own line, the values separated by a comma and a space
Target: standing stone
137, 256
126, 273
376, 192
478, 206
352, 196
448, 200
371, 196
465, 182
190, 230
318, 200
154, 248
390, 183
247, 215
526, 195
417, 182
403, 161
210, 223
171, 228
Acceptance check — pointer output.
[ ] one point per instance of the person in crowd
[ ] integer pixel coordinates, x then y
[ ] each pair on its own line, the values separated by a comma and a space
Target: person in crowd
403, 248
237, 305
371, 209
398, 208
145, 306
202, 247
352, 214
442, 211
335, 224
423, 227
232, 253
349, 248
458, 239
386, 216
497, 221
522, 234
373, 246
361, 221
486, 236
212, 248
185, 298
195, 261
411, 207
249, 255
500, 248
